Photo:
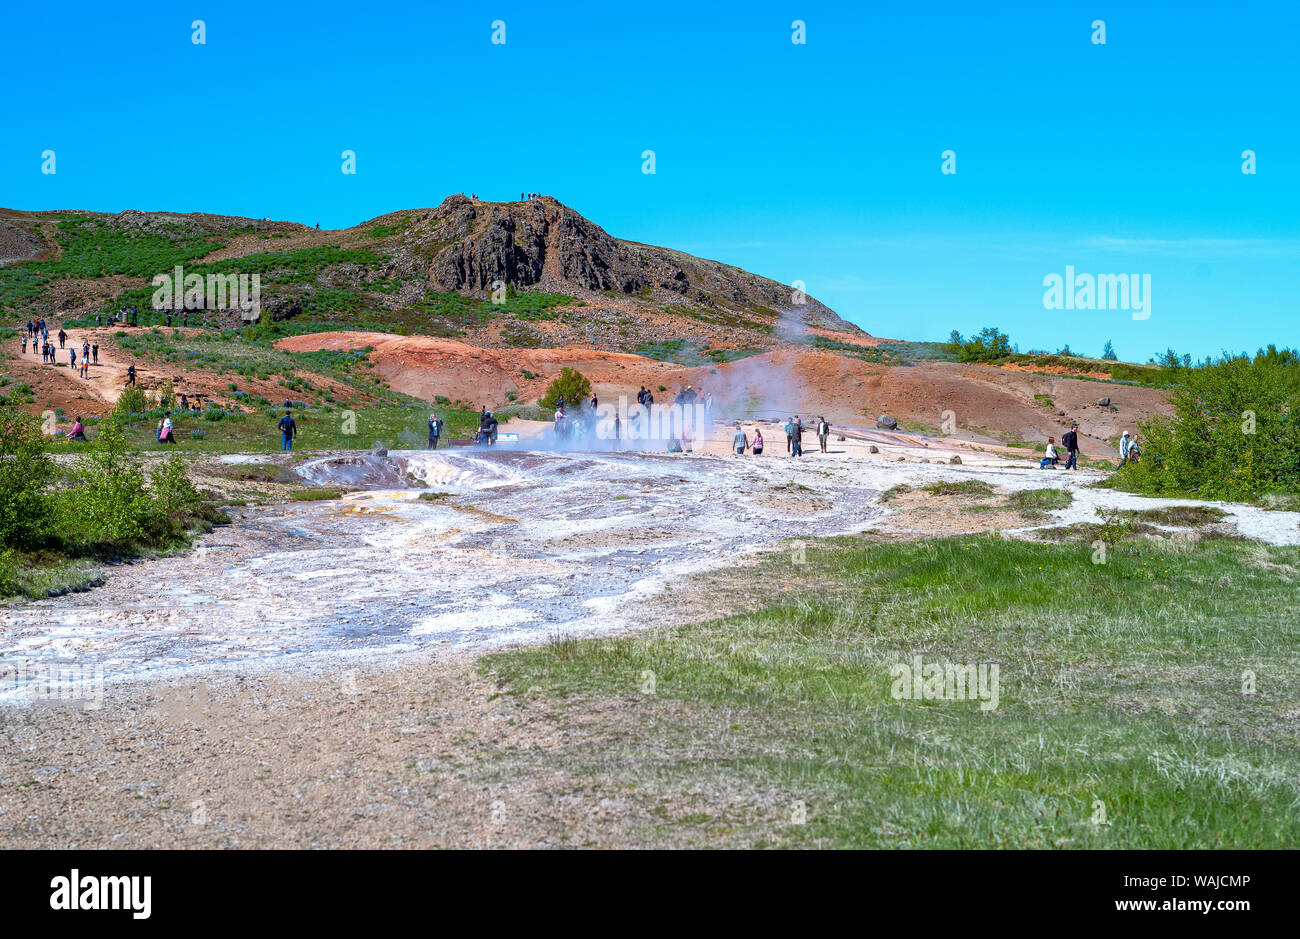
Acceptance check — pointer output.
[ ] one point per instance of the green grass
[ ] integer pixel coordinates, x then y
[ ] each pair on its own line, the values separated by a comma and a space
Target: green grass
1036, 503
966, 487
1119, 682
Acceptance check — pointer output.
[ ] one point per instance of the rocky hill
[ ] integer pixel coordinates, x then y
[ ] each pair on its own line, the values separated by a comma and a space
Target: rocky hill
432, 271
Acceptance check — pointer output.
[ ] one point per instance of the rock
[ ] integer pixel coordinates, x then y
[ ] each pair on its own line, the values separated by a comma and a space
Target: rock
379, 451
885, 422
956, 460
873, 449
924, 460
839, 439
1103, 402
1060, 414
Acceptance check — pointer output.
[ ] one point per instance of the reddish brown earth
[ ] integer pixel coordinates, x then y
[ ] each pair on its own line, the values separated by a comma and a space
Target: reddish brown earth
988, 403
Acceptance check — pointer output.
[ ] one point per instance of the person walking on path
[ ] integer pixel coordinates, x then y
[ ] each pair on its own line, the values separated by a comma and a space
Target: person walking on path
1070, 440
823, 432
739, 441
789, 437
85, 367
130, 376
62, 337
798, 436
757, 448
288, 430
72, 358
94, 351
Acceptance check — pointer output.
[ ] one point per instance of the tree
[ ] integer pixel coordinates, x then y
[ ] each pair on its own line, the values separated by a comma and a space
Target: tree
571, 384
988, 345
1108, 353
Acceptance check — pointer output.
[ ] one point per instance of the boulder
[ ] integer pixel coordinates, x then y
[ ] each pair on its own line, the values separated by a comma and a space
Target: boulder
885, 422
1103, 402
956, 460
873, 449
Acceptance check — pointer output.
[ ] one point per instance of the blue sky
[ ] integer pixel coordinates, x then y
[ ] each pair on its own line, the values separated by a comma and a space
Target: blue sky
817, 162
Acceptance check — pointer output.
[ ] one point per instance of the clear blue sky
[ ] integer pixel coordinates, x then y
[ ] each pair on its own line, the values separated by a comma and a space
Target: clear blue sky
818, 162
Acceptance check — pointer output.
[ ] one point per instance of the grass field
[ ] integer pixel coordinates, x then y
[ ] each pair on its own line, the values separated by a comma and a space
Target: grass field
1125, 717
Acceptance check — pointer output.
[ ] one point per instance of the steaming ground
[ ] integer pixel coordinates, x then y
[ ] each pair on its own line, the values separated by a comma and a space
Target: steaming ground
506, 546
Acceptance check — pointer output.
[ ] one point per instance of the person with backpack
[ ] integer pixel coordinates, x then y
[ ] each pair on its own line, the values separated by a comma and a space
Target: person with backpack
72, 357
130, 376
1070, 440
288, 430
823, 432
435, 431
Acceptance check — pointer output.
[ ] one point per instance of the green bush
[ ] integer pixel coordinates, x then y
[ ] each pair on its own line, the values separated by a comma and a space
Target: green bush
571, 384
26, 507
109, 505
1235, 433
133, 400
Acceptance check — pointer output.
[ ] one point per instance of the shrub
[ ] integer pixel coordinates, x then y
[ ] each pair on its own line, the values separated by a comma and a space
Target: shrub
571, 384
1235, 433
109, 505
26, 508
131, 401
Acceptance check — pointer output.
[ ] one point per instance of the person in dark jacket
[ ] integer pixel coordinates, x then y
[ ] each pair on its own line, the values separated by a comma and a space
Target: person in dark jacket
288, 430
1070, 440
435, 431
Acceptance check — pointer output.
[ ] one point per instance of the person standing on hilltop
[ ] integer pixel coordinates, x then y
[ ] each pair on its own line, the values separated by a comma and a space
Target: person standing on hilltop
288, 430
1070, 440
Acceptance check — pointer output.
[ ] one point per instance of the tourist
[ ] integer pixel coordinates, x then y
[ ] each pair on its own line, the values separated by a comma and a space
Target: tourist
435, 431
288, 430
166, 432
758, 442
1070, 440
1050, 457
823, 432
78, 431
739, 441
1124, 444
